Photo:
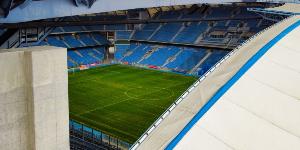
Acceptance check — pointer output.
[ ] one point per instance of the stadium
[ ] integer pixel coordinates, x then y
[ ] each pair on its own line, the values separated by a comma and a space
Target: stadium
149, 74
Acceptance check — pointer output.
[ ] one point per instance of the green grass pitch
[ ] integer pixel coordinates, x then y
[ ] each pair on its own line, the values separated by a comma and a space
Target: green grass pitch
123, 101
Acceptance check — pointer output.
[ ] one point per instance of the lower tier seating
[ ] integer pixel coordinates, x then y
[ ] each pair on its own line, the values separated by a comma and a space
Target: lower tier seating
180, 59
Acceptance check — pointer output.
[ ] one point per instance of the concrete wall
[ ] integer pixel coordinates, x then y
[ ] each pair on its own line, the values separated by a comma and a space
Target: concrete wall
34, 113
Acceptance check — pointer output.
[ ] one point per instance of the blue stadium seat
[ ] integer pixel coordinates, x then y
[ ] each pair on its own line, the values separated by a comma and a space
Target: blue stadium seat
87, 40
57, 30
55, 42
159, 57
193, 60
123, 35
166, 32
100, 38
210, 61
191, 32
137, 54
72, 41
86, 56
71, 64
146, 32
121, 50
180, 59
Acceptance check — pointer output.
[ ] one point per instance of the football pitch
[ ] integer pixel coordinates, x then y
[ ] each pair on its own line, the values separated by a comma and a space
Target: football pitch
123, 101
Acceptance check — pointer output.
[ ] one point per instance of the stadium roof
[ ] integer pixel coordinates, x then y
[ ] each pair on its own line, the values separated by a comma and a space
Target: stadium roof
36, 10
286, 9
249, 101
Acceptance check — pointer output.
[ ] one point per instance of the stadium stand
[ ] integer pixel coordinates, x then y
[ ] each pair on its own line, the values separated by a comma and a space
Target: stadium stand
123, 35
84, 48
185, 33
158, 57
137, 54
193, 30
166, 32
178, 59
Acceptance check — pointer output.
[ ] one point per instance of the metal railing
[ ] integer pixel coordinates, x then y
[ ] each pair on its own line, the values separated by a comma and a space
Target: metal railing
196, 83
91, 137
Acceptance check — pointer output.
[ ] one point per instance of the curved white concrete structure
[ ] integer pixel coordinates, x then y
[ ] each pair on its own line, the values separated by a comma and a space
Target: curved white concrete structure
254, 113
261, 110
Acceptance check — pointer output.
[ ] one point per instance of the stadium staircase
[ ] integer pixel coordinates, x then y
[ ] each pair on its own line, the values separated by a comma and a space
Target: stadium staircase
97, 51
155, 31
172, 58
193, 70
73, 61
96, 40
128, 53
178, 32
78, 53
201, 36
61, 29
67, 44
82, 43
148, 54
132, 33
94, 56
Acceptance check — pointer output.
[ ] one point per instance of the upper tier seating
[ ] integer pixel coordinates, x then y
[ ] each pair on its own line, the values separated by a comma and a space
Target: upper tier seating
191, 32
100, 38
87, 40
83, 55
81, 40
72, 41
54, 41
166, 32
123, 35
146, 32
179, 32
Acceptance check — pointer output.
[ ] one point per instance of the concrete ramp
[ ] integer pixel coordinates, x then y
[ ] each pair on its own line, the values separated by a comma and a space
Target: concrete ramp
251, 114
